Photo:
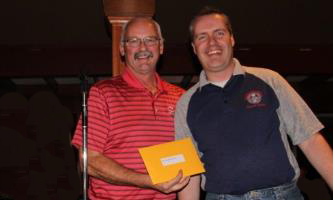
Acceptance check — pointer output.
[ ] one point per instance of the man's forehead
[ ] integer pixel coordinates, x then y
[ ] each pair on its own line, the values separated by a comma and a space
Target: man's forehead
143, 26
209, 22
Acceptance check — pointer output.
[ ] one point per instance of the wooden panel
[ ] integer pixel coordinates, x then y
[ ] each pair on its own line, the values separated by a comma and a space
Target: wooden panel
128, 8
30, 61
23, 61
117, 24
288, 60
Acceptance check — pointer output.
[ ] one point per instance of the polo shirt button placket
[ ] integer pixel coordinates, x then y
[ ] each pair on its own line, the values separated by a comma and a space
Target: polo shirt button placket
154, 107
155, 110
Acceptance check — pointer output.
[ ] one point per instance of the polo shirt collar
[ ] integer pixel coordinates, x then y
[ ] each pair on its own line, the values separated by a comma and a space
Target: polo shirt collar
131, 80
238, 70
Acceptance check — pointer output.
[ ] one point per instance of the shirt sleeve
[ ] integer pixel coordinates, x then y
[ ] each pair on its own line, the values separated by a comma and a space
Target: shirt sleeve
181, 127
296, 118
97, 122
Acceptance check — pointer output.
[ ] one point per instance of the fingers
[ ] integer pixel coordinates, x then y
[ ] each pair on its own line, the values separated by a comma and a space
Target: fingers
174, 184
185, 179
177, 179
181, 184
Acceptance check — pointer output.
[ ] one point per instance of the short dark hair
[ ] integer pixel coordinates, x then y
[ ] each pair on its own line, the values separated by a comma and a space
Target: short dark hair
209, 11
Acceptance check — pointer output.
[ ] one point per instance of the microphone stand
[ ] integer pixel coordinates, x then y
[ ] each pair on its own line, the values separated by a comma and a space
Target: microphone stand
84, 88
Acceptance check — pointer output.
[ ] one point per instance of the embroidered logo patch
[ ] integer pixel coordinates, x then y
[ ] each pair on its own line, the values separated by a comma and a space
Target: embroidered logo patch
254, 98
171, 110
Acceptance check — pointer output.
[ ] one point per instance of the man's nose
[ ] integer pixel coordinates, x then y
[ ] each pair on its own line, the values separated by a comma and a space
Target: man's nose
142, 45
212, 40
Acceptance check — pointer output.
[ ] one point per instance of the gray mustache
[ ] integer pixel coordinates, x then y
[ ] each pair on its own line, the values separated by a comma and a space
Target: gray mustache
147, 54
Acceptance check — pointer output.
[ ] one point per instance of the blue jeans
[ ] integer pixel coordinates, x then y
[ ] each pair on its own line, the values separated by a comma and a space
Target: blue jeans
284, 192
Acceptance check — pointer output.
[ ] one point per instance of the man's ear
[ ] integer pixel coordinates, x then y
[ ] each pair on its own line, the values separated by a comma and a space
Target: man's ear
232, 41
193, 47
121, 50
161, 48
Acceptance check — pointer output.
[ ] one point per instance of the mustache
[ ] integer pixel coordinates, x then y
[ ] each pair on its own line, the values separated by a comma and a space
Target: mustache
139, 54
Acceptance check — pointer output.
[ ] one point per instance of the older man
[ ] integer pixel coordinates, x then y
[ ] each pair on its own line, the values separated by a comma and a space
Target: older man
240, 118
125, 113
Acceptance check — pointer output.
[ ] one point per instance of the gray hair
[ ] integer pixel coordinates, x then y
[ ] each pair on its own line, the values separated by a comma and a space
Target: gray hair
125, 28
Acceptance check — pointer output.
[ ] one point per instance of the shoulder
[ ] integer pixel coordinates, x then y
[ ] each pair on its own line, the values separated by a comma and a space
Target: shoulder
113, 82
107, 86
267, 75
186, 97
261, 71
174, 89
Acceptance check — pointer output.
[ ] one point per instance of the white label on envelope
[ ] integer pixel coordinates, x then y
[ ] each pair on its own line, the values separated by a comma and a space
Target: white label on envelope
171, 160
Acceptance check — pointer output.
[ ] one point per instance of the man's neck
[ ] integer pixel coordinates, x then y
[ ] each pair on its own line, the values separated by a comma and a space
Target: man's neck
150, 84
222, 75
148, 81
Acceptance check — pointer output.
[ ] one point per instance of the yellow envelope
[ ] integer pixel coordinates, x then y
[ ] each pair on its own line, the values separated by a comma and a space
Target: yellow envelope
163, 161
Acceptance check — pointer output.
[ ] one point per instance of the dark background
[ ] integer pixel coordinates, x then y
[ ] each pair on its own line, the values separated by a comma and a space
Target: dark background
283, 22
45, 45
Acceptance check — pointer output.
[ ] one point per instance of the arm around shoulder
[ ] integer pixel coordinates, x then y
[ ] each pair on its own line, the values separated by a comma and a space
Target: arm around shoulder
320, 155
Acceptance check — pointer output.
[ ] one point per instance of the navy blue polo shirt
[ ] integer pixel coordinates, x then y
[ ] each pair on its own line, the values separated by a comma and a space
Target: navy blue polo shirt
239, 132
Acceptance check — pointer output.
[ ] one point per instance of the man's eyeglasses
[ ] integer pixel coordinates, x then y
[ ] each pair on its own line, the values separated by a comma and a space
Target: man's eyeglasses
136, 42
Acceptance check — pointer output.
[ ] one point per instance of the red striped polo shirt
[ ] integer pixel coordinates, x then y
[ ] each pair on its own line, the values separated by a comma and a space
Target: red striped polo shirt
122, 117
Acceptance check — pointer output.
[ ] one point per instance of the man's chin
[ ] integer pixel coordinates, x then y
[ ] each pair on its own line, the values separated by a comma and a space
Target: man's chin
146, 67
216, 67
